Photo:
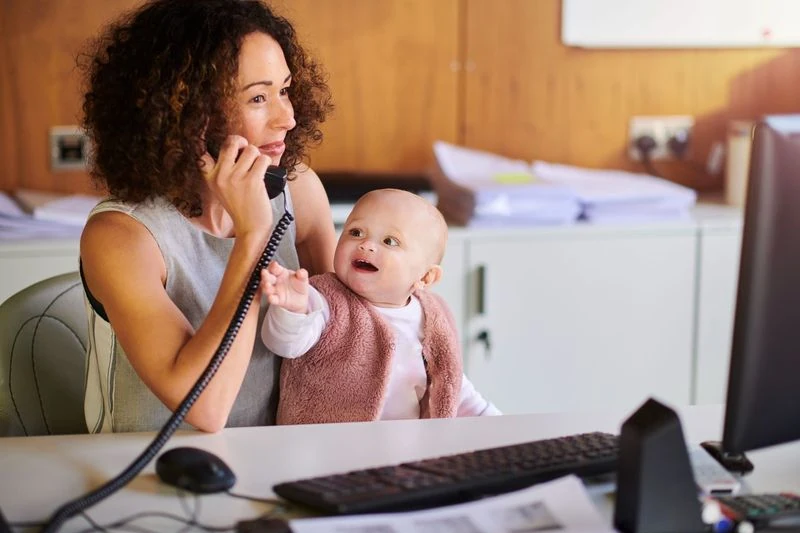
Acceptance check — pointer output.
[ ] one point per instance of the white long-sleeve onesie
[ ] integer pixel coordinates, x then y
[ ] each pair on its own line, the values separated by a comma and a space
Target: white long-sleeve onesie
291, 335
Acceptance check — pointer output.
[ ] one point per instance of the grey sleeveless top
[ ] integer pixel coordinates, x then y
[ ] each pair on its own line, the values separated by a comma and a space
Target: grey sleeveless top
116, 399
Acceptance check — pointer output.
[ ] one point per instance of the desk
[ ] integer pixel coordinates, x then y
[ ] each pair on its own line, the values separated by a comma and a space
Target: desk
37, 474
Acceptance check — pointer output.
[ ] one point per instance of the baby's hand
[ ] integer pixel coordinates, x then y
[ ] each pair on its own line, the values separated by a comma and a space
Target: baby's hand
286, 288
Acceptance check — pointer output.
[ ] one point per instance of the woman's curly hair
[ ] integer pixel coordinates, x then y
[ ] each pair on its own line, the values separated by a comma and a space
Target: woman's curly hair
163, 77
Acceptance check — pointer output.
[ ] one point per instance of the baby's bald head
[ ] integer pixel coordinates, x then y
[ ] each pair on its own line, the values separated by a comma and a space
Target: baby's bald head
418, 216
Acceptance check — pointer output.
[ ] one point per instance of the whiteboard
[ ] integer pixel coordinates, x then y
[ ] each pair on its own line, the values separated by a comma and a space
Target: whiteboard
680, 23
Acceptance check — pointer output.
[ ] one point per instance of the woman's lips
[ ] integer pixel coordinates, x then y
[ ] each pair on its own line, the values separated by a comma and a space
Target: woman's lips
273, 149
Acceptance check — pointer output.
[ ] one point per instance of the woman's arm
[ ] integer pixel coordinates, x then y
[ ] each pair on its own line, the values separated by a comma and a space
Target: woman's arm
316, 237
124, 269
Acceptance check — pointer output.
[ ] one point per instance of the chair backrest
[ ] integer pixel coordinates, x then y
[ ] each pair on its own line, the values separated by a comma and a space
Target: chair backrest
43, 336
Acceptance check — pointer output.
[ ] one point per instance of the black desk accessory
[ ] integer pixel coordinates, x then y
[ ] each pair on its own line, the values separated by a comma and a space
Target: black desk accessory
4, 527
732, 462
263, 525
656, 490
196, 470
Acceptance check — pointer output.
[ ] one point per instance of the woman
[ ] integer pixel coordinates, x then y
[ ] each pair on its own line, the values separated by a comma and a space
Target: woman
167, 257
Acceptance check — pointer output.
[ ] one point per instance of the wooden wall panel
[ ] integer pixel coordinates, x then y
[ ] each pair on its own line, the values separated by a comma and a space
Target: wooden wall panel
391, 66
522, 93
41, 39
8, 148
529, 96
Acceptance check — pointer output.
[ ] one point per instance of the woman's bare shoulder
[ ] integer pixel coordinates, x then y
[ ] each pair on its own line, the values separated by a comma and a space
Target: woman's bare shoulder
114, 244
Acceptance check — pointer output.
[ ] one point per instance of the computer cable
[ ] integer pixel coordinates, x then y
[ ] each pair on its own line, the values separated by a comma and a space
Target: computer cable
72, 508
193, 513
270, 501
191, 521
126, 523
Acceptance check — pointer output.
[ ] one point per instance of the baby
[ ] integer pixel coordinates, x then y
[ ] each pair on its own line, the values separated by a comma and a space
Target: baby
375, 344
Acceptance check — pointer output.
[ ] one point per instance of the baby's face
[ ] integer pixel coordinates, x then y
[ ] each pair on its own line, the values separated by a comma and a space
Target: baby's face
387, 246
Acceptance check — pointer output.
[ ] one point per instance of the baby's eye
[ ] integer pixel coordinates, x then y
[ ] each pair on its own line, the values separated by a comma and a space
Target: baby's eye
391, 241
355, 232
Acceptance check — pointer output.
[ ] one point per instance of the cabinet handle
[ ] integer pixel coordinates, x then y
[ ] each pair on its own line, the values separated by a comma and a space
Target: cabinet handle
483, 337
481, 296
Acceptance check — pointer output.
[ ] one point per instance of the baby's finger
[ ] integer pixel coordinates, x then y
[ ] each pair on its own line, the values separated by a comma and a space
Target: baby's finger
275, 268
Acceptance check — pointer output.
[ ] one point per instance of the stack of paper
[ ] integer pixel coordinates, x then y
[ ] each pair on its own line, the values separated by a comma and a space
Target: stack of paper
510, 191
617, 196
72, 210
15, 223
502, 191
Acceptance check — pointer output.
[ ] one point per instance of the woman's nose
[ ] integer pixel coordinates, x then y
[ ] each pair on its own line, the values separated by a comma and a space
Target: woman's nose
282, 115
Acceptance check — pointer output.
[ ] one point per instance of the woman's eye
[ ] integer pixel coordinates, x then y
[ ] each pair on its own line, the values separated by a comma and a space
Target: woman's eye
258, 99
285, 91
391, 241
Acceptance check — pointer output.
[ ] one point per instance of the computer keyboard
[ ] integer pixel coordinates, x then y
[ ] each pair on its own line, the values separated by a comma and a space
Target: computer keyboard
455, 478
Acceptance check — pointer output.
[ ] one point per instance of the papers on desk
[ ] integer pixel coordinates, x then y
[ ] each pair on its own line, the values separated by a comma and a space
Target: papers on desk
16, 223
511, 191
72, 210
503, 191
616, 195
562, 505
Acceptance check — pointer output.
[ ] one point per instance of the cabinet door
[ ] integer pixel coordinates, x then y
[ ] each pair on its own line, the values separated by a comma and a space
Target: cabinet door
23, 264
716, 306
394, 78
582, 319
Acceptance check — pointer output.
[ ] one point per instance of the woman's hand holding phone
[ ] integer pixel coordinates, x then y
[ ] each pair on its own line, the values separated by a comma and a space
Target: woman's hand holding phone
236, 178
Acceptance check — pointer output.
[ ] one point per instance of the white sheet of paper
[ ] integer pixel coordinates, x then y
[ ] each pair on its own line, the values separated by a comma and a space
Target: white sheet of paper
9, 208
73, 209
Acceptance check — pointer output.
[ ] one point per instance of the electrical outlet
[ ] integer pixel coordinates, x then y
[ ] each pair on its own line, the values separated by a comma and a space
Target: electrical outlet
69, 148
661, 129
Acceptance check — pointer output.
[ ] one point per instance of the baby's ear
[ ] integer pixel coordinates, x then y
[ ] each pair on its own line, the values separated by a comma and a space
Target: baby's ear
430, 278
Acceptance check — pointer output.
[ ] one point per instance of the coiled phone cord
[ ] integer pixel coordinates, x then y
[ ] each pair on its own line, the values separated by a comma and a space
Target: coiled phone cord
70, 509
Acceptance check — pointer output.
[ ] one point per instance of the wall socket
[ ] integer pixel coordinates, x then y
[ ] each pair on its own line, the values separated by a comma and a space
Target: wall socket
661, 128
69, 148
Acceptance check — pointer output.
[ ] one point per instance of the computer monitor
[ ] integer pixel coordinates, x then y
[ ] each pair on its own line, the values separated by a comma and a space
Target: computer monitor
763, 400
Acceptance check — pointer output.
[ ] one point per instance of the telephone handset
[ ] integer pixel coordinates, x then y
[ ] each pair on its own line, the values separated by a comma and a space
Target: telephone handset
274, 177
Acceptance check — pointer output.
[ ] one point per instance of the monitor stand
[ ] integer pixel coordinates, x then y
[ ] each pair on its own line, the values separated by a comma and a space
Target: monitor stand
732, 462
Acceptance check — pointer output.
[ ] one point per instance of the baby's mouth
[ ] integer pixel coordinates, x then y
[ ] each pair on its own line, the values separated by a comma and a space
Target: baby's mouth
365, 266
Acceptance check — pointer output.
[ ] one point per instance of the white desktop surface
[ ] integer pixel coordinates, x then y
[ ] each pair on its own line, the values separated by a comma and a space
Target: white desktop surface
38, 474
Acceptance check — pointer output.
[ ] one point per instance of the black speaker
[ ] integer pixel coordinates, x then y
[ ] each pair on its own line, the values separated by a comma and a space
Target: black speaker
656, 491
4, 527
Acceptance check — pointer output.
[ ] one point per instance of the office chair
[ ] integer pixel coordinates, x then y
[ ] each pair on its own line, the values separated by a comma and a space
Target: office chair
43, 336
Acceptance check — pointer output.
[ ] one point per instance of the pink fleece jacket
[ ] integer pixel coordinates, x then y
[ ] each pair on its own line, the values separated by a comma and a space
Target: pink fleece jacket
344, 377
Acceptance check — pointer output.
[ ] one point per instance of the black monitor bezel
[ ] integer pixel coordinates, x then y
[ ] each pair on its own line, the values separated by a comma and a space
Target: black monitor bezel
762, 407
